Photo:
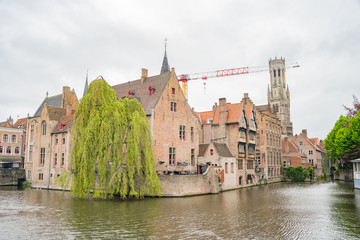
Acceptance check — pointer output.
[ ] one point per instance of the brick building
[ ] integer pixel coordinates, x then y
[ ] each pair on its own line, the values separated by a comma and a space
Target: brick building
12, 139
236, 126
40, 151
175, 128
269, 142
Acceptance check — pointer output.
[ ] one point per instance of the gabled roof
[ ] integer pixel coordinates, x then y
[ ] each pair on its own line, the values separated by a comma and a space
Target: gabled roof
222, 149
204, 116
55, 113
312, 144
202, 149
64, 124
21, 123
5, 124
234, 110
141, 90
54, 101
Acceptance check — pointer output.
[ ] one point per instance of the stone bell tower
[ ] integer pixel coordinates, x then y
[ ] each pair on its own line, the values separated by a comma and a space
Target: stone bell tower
279, 95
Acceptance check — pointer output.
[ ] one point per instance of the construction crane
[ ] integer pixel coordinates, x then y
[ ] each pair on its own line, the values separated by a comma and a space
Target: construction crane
184, 78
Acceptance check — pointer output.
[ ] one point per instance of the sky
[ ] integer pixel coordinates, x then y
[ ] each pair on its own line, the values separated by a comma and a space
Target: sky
45, 45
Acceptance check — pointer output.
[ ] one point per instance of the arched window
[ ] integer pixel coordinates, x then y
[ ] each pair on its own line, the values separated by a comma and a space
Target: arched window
17, 150
5, 138
1, 149
8, 150
240, 180
44, 128
13, 138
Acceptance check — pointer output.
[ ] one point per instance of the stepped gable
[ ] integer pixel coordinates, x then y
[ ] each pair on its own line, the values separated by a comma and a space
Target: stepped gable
223, 150
54, 101
139, 89
64, 124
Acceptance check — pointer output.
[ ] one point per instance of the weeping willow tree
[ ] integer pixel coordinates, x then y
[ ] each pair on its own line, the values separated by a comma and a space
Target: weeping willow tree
112, 147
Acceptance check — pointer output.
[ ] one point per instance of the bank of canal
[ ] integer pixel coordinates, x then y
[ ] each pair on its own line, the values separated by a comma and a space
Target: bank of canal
275, 211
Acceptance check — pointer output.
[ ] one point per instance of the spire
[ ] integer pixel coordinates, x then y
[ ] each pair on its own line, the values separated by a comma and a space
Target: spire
86, 82
165, 66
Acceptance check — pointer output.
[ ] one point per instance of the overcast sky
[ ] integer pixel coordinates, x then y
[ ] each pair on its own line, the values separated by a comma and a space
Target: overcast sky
45, 45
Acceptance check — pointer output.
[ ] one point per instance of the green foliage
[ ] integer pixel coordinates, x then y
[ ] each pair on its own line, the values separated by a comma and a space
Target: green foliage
311, 173
297, 174
112, 147
343, 141
26, 184
63, 180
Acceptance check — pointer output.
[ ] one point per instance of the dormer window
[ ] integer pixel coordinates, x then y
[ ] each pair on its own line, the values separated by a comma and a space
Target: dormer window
130, 93
62, 125
151, 90
173, 91
211, 152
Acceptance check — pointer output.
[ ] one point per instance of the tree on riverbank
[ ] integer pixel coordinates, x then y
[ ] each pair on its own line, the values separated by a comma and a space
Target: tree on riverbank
298, 174
112, 147
343, 141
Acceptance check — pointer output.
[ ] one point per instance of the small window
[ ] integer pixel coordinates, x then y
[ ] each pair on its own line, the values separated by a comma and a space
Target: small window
62, 126
151, 90
310, 152
211, 152
42, 156
41, 176
192, 157
171, 156
232, 167
301, 143
13, 138
226, 167
56, 141
55, 159
5, 138
1, 149
62, 159
192, 133
173, 91
63, 140
44, 128
173, 106
17, 150
182, 132
8, 150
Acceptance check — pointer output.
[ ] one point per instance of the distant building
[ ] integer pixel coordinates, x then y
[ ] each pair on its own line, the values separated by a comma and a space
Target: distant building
12, 139
299, 150
356, 172
279, 95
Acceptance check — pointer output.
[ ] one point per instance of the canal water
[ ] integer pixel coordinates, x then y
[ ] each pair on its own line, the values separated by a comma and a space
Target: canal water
275, 211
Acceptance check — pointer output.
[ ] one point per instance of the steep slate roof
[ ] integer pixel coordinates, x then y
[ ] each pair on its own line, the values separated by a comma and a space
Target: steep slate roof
21, 123
66, 122
165, 65
234, 115
202, 149
141, 90
55, 113
54, 101
222, 150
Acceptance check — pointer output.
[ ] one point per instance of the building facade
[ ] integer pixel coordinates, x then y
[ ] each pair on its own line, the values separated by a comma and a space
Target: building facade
11, 146
269, 142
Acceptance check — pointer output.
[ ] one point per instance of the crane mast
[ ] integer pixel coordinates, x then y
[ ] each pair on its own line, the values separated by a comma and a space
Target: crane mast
184, 78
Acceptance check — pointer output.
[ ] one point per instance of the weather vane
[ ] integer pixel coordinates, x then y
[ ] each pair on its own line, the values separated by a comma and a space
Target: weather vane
165, 42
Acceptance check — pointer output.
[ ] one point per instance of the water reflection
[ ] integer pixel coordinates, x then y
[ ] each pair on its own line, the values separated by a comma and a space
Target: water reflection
276, 211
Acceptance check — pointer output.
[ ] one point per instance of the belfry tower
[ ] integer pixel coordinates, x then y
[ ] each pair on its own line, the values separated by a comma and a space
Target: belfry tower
279, 95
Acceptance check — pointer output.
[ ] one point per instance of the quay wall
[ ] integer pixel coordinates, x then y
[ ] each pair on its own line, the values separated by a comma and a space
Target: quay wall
10, 176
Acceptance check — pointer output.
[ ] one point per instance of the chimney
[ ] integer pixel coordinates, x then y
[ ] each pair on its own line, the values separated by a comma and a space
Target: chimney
144, 74
223, 112
304, 132
66, 99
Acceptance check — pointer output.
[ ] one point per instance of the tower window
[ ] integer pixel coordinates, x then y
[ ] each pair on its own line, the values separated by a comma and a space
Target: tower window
274, 73
279, 72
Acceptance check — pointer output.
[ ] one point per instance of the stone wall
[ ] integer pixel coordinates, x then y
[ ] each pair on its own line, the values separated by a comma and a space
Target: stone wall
187, 185
344, 175
10, 176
